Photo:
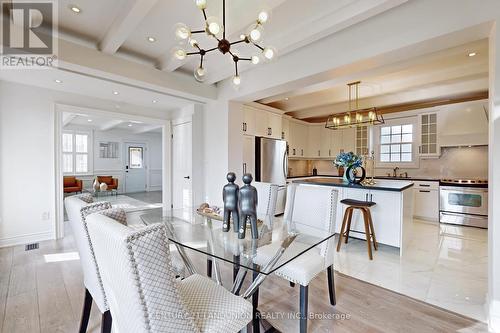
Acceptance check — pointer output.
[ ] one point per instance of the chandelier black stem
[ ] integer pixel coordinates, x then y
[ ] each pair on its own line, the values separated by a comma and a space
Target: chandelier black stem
224, 18
237, 42
198, 31
260, 47
193, 53
212, 49
204, 14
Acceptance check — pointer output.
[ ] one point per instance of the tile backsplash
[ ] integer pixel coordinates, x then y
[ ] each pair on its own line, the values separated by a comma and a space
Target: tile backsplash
463, 162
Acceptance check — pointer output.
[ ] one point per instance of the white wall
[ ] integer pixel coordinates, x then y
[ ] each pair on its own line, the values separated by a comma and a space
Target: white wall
27, 165
27, 172
115, 166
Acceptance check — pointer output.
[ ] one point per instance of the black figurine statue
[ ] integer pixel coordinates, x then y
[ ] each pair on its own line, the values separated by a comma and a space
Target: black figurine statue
248, 207
230, 195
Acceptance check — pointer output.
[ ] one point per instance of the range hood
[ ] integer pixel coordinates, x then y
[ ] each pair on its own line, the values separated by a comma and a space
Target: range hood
462, 127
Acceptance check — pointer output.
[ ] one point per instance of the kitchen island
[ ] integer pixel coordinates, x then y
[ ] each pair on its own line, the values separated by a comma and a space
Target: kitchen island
392, 215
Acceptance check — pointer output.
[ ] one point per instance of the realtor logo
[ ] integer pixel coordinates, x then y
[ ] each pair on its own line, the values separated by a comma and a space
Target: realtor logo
28, 36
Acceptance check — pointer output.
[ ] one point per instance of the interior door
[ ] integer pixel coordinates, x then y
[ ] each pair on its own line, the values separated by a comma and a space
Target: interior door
135, 167
182, 197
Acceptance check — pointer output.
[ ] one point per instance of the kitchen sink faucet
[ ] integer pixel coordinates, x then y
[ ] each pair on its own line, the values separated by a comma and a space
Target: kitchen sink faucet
395, 174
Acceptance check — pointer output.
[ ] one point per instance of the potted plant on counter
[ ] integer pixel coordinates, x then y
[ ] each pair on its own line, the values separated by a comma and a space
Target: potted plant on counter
346, 160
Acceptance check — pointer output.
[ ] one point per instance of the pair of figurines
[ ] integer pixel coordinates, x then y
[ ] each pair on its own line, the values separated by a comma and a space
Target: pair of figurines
240, 204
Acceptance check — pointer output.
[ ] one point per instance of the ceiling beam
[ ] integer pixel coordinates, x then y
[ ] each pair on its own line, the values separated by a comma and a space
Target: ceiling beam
147, 128
130, 15
329, 17
110, 125
427, 92
422, 104
67, 118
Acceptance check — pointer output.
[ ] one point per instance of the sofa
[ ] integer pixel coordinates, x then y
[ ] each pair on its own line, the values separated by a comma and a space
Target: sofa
110, 181
72, 185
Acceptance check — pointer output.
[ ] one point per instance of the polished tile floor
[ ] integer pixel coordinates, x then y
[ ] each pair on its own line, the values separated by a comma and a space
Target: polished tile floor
444, 265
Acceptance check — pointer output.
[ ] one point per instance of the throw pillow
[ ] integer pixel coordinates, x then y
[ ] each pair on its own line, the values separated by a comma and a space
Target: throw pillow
117, 214
86, 197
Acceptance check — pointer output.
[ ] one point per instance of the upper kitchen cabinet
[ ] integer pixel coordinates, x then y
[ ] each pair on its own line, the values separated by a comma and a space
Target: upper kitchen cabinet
348, 140
263, 123
315, 141
429, 142
248, 126
285, 129
299, 139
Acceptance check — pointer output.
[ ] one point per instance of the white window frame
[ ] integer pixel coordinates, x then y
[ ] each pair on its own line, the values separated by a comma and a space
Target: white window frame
415, 163
89, 153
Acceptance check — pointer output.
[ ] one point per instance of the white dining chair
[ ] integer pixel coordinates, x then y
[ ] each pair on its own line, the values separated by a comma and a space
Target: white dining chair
267, 195
77, 208
309, 210
143, 293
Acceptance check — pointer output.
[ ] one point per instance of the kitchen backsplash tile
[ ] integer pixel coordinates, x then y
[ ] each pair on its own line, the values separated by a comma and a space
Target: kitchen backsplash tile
464, 162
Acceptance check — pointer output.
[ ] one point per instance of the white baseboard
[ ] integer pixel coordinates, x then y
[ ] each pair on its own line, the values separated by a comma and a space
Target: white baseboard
25, 239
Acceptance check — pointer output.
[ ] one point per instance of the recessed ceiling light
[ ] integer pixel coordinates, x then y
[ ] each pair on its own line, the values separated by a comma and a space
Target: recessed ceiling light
471, 54
151, 39
89, 120
129, 125
75, 9
57, 81
154, 101
116, 93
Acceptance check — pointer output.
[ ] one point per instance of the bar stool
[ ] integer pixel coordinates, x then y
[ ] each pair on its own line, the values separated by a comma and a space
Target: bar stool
364, 207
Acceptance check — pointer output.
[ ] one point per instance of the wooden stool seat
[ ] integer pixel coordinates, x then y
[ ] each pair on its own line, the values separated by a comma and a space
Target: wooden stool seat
357, 203
364, 207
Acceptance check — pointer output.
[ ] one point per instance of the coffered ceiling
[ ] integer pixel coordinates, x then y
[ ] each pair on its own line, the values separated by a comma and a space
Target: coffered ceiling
459, 73
122, 27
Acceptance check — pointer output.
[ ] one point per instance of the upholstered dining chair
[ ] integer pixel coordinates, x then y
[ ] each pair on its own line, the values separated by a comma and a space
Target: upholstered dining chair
78, 207
267, 195
143, 293
309, 210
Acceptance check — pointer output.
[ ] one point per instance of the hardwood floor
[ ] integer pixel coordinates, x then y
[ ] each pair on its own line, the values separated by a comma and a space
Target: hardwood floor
42, 291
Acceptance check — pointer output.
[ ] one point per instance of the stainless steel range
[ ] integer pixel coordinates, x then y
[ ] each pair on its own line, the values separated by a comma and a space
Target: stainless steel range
464, 202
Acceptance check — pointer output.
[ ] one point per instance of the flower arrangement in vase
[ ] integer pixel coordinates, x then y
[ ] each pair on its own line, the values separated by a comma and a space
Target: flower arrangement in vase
347, 160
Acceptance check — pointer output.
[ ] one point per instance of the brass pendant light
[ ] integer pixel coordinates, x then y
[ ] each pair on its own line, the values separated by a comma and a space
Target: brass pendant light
355, 116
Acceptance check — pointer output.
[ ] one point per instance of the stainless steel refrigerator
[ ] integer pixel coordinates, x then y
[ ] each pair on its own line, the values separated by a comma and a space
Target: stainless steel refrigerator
271, 166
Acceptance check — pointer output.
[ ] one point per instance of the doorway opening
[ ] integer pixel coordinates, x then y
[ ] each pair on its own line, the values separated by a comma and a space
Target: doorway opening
114, 157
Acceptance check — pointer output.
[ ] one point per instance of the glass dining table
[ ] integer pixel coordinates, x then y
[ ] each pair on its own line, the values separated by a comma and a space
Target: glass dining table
199, 234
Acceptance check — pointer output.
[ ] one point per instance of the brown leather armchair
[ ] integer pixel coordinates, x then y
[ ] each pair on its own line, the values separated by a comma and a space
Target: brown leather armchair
72, 185
110, 181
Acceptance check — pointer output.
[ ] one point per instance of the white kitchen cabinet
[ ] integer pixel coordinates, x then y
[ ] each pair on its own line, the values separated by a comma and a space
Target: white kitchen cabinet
326, 142
386, 218
285, 130
261, 123
314, 138
429, 143
348, 139
274, 125
426, 201
248, 126
248, 165
335, 142
299, 134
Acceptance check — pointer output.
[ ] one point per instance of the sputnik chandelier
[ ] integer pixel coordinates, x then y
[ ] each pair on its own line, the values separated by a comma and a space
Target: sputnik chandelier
215, 29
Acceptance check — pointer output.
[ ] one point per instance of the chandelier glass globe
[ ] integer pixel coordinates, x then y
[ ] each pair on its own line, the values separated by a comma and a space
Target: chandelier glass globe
182, 32
269, 53
255, 33
200, 74
213, 26
179, 53
201, 4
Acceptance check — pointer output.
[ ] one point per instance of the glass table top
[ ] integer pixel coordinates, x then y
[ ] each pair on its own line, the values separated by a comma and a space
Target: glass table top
275, 247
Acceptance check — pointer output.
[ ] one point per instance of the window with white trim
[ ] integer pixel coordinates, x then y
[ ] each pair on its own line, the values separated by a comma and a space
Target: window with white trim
396, 143
76, 152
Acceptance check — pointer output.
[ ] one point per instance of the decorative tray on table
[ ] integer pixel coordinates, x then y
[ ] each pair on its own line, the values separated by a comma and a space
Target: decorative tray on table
215, 214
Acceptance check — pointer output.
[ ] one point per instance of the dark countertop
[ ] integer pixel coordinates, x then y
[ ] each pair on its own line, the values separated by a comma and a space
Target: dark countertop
422, 179
381, 185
